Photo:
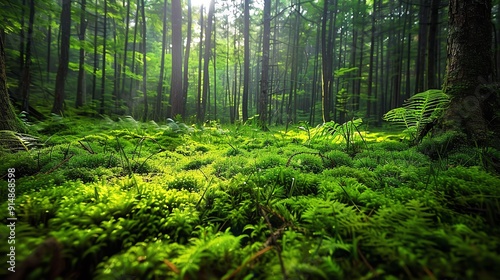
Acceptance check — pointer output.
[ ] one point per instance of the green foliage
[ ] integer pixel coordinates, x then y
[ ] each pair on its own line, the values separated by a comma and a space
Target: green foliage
121, 204
419, 110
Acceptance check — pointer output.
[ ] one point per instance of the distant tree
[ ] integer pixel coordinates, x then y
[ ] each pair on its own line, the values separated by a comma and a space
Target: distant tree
475, 101
62, 70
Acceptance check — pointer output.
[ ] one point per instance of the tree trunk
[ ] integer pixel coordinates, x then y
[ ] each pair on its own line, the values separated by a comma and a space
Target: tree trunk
200, 73
159, 89
206, 61
185, 82
265, 65
176, 99
26, 78
246, 59
474, 101
144, 67
62, 70
104, 45
80, 90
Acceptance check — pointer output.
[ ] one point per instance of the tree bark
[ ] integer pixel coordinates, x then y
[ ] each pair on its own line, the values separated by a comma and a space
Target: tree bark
26, 77
176, 99
265, 66
159, 89
80, 89
185, 82
246, 59
474, 100
62, 70
206, 61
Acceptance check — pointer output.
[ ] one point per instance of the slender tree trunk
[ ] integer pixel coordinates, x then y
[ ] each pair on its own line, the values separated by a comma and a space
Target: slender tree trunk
104, 52
420, 85
200, 73
159, 89
371, 67
62, 70
81, 86
432, 57
94, 78
125, 51
26, 76
264, 85
144, 60
246, 59
206, 61
176, 94
49, 48
133, 67
185, 83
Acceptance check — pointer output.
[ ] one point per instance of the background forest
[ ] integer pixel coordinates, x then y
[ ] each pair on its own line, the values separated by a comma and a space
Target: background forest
204, 61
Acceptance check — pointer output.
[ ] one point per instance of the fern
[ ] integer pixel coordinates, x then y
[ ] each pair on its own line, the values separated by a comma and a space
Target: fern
421, 109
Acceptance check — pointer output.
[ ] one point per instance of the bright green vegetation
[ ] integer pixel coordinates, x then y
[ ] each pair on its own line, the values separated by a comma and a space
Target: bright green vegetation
130, 200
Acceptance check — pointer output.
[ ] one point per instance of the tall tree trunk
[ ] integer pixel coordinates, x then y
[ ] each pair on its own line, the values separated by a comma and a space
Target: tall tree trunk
432, 58
144, 60
94, 78
206, 61
246, 59
200, 73
176, 96
264, 85
133, 67
185, 82
81, 86
49, 48
26, 77
474, 103
104, 52
422, 46
327, 46
159, 89
62, 70
125, 52
371, 67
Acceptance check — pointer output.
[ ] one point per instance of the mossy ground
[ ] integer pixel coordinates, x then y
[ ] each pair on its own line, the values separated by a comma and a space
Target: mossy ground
131, 200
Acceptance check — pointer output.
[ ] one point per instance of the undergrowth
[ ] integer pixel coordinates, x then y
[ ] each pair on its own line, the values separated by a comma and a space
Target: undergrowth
128, 200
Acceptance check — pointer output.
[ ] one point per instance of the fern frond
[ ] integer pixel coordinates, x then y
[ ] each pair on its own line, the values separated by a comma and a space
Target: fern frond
418, 110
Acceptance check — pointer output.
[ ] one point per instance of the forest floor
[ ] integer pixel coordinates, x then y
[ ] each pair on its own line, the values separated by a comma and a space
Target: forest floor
121, 199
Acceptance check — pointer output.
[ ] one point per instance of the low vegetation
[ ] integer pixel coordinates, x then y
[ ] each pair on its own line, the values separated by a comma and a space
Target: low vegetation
121, 199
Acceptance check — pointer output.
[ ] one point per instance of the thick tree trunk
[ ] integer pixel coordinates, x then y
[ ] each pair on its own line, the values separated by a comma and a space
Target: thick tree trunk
62, 70
474, 99
176, 99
